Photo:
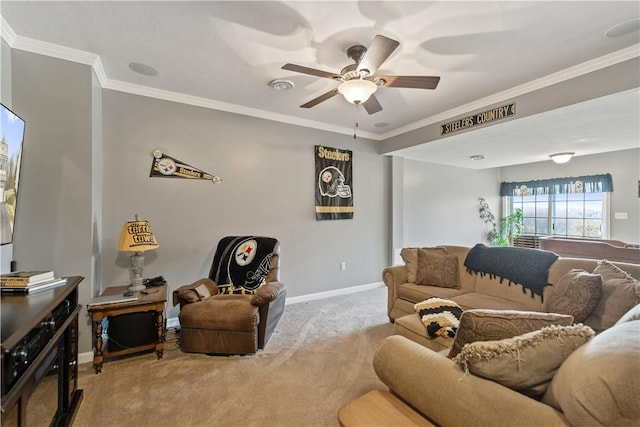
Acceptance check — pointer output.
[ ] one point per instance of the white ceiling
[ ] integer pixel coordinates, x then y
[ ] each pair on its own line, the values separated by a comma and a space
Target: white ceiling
223, 55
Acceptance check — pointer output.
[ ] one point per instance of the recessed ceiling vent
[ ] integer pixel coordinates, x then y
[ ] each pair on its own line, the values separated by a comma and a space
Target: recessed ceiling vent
280, 84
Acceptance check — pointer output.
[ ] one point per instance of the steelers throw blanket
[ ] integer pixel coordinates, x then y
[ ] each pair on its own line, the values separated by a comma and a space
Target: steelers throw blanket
241, 263
524, 266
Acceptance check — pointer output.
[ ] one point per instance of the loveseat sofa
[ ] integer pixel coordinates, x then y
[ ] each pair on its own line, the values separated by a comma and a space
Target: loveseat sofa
593, 374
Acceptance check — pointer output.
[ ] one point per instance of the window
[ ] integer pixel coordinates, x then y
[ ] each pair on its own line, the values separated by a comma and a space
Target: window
566, 215
568, 207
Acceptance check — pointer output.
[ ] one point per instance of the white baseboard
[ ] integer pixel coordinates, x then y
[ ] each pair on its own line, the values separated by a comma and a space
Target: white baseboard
173, 322
327, 294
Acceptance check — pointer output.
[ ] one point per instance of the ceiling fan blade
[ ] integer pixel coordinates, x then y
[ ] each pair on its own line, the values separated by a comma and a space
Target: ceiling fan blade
372, 105
321, 98
310, 71
380, 49
413, 82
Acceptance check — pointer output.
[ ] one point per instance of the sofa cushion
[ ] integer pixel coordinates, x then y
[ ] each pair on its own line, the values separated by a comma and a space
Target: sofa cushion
525, 363
440, 316
599, 383
437, 269
411, 326
491, 325
577, 293
479, 300
620, 293
416, 293
410, 258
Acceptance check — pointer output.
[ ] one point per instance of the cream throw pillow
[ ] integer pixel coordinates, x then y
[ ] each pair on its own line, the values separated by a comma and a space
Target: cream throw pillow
525, 363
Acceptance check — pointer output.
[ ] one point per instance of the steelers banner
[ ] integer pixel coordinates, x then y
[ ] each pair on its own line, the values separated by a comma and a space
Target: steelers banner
334, 180
165, 166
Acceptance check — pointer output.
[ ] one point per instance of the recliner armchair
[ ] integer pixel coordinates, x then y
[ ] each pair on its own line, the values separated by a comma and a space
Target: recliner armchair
236, 309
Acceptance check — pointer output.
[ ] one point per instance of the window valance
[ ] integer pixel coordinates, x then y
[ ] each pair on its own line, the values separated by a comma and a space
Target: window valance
577, 184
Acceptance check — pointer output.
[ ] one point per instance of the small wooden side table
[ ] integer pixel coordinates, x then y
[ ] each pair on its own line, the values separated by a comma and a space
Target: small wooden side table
145, 302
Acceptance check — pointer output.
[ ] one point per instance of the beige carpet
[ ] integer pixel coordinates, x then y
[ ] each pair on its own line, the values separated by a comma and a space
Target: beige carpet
318, 359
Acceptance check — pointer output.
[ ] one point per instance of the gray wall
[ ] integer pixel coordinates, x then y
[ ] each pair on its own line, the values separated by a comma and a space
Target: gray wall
86, 171
267, 189
624, 167
54, 223
440, 203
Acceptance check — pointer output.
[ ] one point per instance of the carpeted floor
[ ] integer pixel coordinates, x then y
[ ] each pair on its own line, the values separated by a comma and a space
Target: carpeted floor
318, 359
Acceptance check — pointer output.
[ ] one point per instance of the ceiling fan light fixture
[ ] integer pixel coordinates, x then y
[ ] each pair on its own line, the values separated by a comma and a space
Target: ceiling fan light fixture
357, 91
561, 158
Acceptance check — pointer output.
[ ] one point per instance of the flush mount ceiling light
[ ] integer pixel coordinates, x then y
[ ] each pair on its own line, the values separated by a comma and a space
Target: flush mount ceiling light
357, 91
280, 84
477, 157
561, 157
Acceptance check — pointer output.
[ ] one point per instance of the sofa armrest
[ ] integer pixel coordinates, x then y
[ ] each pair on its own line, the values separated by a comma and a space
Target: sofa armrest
393, 277
187, 293
267, 293
438, 388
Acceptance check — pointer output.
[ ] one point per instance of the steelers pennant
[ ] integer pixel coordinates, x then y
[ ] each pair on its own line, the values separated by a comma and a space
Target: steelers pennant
165, 166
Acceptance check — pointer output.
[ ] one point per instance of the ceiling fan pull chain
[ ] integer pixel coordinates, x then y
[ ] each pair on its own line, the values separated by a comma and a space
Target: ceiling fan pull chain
355, 127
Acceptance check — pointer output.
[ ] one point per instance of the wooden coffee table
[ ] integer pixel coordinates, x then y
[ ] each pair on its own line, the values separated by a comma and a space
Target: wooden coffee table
152, 302
379, 408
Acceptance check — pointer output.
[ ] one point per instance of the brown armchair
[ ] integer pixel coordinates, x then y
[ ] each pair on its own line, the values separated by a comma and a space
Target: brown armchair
236, 309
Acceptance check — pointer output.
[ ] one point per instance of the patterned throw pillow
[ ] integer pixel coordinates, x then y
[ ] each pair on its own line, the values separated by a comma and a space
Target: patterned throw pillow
440, 316
491, 325
437, 269
525, 363
577, 293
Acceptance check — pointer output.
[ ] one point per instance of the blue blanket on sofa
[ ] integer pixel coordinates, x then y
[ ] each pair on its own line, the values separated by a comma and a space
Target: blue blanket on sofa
524, 266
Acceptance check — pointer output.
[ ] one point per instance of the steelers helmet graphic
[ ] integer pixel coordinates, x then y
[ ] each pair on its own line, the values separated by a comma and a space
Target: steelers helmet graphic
331, 183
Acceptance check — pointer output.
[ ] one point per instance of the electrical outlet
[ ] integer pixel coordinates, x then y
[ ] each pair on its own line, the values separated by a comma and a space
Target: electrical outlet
343, 266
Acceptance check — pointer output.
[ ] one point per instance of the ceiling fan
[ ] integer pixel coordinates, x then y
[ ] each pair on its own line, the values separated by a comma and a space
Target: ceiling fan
358, 82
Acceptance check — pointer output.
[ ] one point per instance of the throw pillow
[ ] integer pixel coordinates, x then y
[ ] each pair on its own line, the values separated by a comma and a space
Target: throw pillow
491, 325
599, 383
410, 258
577, 293
525, 363
440, 316
437, 269
620, 293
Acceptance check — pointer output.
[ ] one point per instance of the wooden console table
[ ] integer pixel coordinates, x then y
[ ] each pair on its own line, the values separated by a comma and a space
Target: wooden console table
146, 302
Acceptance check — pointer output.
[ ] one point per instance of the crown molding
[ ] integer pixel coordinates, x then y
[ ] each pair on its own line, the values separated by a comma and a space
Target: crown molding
93, 60
198, 101
74, 55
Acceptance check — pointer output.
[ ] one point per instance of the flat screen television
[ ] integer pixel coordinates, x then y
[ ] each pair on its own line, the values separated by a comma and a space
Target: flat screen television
11, 137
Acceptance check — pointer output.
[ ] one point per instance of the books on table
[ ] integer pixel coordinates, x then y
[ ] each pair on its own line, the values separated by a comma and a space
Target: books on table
25, 278
33, 288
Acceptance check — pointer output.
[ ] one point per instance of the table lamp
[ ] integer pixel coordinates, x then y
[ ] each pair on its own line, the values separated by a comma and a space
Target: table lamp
136, 236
